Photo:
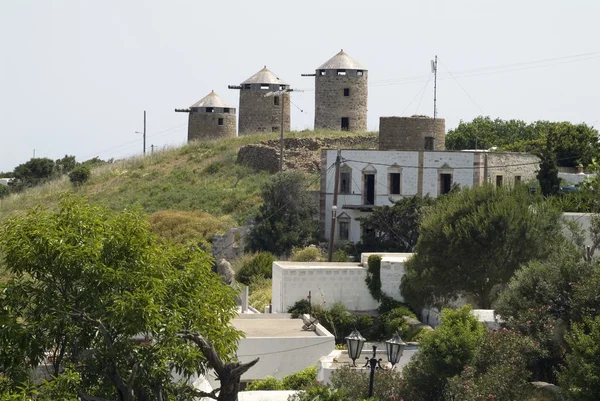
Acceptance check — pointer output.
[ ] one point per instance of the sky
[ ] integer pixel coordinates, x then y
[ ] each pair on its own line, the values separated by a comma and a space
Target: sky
77, 75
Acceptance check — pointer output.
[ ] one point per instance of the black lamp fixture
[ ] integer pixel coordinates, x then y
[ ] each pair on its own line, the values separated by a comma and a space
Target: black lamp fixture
394, 348
354, 343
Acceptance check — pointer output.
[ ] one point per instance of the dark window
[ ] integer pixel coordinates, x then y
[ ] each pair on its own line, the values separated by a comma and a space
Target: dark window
321, 72
345, 182
344, 230
220, 121
276, 100
210, 109
445, 183
517, 179
346, 91
428, 143
359, 73
395, 183
341, 72
247, 86
345, 124
498, 181
226, 110
369, 193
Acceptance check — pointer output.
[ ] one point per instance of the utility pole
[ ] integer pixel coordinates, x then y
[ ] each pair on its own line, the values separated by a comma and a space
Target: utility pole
338, 160
144, 132
281, 101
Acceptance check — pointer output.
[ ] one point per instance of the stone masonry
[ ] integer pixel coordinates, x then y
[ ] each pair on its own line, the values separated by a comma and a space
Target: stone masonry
331, 104
205, 126
411, 133
260, 114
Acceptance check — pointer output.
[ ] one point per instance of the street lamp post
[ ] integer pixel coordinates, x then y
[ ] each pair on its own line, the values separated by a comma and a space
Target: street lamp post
394, 349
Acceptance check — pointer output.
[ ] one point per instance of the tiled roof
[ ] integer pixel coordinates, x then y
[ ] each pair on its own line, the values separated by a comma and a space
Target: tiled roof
211, 100
341, 61
264, 76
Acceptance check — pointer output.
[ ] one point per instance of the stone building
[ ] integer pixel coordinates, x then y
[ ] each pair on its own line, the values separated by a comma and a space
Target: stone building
259, 113
210, 118
341, 93
412, 133
370, 178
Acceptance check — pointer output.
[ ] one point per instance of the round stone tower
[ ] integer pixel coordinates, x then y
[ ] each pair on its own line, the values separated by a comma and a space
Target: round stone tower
210, 118
260, 113
412, 133
341, 93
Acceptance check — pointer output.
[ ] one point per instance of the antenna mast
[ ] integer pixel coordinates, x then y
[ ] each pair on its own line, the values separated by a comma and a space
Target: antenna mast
434, 71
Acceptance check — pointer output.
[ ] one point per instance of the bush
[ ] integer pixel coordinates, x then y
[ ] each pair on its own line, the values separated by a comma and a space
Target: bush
308, 254
4, 191
260, 293
321, 392
268, 383
184, 227
260, 265
389, 384
80, 174
300, 380
301, 307
340, 256
340, 322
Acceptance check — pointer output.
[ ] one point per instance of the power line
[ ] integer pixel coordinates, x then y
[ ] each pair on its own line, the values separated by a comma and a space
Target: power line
417, 95
462, 87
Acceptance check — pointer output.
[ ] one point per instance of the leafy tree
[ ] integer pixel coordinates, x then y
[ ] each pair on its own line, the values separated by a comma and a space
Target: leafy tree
66, 164
570, 143
581, 377
4, 191
35, 171
97, 291
80, 174
393, 228
473, 241
443, 353
499, 370
548, 173
286, 218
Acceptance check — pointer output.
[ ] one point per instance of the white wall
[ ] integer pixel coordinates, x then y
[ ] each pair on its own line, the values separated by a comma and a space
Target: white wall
334, 282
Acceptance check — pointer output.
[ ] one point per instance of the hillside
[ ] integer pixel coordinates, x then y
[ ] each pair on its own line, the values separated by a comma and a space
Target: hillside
200, 176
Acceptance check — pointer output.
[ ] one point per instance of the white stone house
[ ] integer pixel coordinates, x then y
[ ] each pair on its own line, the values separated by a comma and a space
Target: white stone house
371, 178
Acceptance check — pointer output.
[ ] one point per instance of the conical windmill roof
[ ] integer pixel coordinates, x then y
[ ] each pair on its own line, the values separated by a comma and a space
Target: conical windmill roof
341, 61
211, 100
264, 76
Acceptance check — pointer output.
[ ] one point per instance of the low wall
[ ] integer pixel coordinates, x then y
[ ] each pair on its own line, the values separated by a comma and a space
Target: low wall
334, 282
259, 157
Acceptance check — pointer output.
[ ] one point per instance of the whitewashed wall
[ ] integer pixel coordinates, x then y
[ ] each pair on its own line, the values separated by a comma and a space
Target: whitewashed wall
334, 282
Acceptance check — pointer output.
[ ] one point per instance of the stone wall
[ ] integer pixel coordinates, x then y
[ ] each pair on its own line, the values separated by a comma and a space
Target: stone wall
510, 165
409, 133
259, 157
331, 104
205, 126
231, 244
260, 114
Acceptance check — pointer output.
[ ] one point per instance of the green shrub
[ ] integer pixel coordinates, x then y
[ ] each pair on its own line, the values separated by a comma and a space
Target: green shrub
268, 383
321, 392
260, 265
373, 278
340, 322
389, 384
340, 256
260, 293
300, 380
301, 307
80, 174
4, 191
308, 254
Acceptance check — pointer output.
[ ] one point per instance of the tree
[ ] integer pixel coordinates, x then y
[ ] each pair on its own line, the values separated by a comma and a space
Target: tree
443, 353
35, 171
471, 242
548, 173
286, 218
4, 191
571, 144
99, 293
581, 377
393, 228
66, 164
80, 174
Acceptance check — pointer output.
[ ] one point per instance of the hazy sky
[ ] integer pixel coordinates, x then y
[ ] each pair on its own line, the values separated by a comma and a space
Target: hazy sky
76, 76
